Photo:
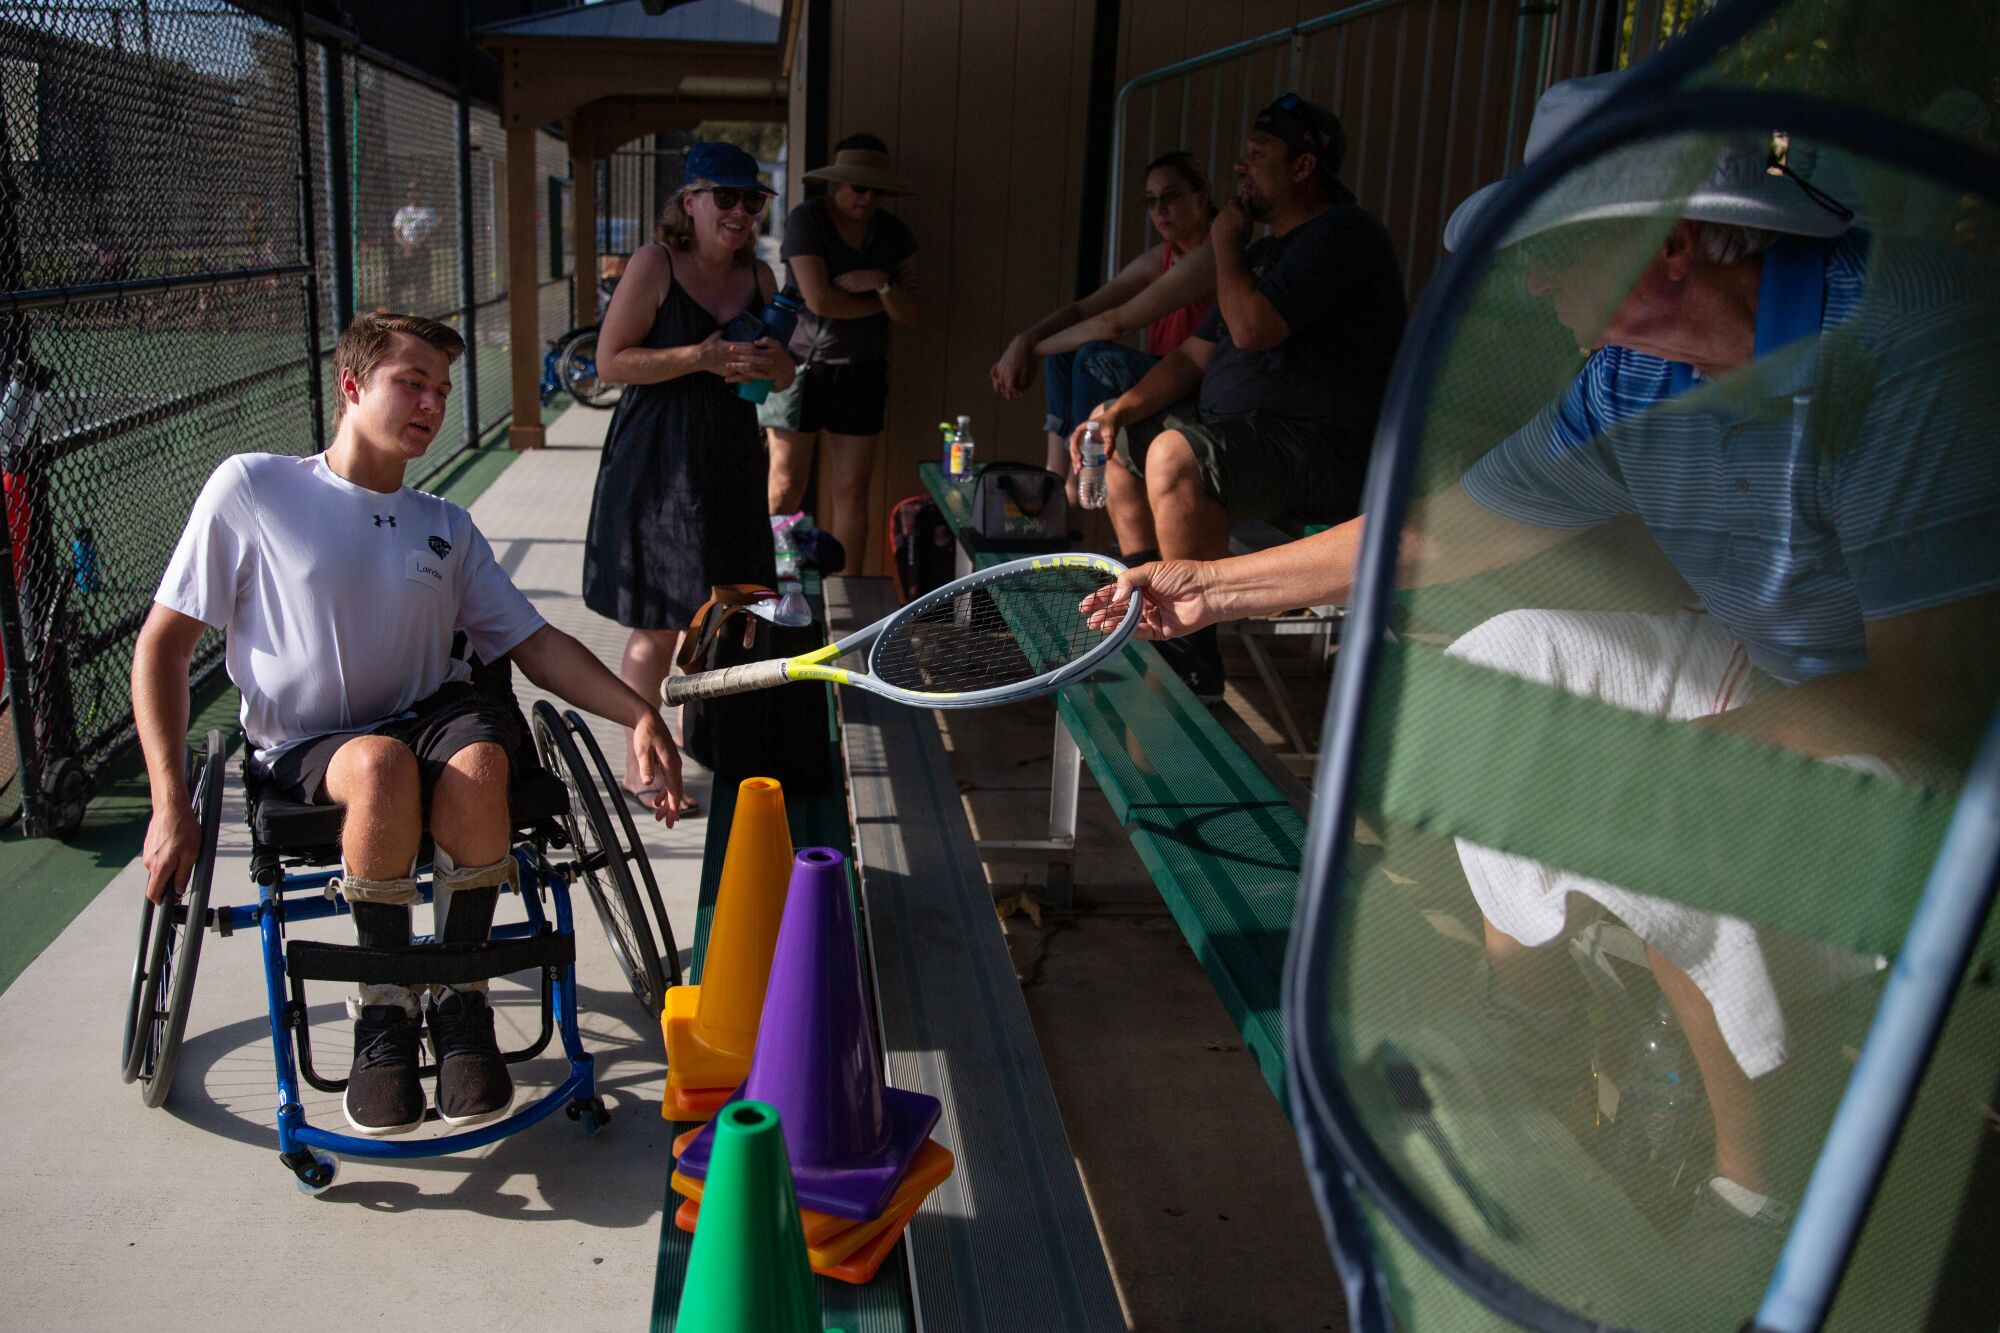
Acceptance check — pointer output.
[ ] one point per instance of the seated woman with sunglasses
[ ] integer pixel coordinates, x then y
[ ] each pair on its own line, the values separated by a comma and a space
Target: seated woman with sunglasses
855, 268
1165, 292
680, 488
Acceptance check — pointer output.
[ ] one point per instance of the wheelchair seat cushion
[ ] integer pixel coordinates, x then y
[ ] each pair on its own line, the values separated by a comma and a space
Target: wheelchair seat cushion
278, 824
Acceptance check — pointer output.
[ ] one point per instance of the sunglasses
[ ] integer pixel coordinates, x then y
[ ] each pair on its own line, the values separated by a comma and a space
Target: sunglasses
726, 198
1282, 120
868, 190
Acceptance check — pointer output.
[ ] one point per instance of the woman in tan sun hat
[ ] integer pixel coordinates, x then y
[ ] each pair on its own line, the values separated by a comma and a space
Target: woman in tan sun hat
854, 266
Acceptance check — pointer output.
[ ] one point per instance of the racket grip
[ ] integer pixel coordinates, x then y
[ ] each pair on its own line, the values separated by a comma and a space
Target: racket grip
676, 690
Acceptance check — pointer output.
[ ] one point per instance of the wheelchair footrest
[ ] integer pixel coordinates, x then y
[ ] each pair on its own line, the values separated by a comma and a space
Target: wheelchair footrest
426, 964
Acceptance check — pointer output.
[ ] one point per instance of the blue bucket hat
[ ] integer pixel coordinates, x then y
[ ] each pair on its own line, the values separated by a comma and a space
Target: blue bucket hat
724, 164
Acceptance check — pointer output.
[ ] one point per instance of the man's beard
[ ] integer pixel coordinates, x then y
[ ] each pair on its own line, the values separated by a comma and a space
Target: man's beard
1255, 204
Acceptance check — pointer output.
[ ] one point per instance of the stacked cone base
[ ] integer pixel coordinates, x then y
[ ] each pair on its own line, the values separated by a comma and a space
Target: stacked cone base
857, 1267
686, 1105
841, 1247
689, 1051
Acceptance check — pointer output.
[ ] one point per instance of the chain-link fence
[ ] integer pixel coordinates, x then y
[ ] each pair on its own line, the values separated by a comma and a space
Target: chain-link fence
193, 199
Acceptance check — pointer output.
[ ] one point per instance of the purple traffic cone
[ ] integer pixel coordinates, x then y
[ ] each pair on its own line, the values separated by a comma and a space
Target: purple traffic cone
850, 1139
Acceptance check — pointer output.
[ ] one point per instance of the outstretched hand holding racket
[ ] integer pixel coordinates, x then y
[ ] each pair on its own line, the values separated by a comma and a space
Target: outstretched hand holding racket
1171, 594
1010, 632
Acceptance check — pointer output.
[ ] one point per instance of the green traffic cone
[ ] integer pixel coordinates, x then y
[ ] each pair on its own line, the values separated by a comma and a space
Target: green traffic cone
748, 1269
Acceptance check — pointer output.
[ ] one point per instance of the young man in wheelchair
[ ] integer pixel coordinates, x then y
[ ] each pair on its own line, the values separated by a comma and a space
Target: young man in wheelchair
340, 590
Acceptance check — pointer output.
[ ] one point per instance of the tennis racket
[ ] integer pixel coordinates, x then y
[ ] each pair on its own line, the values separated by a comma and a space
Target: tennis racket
1005, 633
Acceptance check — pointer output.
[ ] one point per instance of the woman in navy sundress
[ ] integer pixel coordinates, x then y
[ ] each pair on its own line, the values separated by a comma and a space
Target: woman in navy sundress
681, 487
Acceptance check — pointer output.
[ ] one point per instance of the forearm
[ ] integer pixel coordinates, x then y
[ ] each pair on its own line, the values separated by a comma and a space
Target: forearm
900, 304
1447, 536
1048, 326
650, 365
834, 303
160, 710
562, 666
1107, 327
1254, 323
1173, 380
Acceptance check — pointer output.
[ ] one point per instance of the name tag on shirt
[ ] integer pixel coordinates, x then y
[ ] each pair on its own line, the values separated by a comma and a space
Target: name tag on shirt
425, 568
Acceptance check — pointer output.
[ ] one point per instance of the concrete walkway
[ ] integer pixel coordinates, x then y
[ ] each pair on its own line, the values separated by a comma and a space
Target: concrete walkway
114, 1216
117, 1217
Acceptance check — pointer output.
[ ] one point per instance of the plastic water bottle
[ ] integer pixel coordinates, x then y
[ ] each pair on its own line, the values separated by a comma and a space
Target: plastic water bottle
961, 452
783, 546
1656, 1109
1090, 487
779, 318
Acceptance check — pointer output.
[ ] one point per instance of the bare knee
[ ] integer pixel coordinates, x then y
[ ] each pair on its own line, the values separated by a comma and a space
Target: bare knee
469, 815
374, 772
483, 765
1170, 466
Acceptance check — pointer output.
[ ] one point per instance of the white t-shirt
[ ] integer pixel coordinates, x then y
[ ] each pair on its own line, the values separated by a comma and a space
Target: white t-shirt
339, 602
414, 223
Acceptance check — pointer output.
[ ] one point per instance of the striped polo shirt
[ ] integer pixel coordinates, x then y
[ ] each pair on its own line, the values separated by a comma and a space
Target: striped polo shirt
1849, 473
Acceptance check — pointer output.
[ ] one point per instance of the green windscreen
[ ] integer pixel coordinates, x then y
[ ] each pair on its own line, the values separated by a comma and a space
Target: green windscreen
1696, 635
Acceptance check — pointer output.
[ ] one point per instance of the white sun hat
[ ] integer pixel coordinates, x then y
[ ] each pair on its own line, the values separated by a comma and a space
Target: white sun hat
1686, 176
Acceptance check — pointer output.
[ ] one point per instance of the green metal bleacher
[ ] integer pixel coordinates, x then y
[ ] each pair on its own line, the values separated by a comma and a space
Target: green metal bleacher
1219, 835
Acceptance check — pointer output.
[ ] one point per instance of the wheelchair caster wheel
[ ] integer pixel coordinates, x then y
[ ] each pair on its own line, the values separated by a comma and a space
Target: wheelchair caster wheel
315, 1170
594, 1114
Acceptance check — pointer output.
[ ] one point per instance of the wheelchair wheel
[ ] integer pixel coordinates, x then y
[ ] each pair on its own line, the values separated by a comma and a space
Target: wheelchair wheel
605, 872
576, 371
633, 850
169, 951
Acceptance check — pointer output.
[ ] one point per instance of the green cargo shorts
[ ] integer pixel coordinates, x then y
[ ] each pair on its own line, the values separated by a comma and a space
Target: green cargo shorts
1259, 465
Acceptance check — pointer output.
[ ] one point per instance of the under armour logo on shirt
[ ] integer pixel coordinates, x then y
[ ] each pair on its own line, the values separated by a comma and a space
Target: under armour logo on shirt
440, 547
384, 519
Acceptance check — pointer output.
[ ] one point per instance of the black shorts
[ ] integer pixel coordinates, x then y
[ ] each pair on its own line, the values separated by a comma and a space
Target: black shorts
846, 399
436, 729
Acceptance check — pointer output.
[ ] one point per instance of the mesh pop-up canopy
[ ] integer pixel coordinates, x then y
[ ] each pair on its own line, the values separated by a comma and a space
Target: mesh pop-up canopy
1672, 648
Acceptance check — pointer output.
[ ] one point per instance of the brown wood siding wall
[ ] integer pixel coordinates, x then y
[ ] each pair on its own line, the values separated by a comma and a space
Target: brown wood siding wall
983, 103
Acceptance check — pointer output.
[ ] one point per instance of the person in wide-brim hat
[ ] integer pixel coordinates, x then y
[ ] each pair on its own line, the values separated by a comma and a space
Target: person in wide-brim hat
1739, 185
863, 168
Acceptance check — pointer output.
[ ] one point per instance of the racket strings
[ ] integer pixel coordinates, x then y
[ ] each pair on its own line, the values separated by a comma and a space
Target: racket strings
997, 634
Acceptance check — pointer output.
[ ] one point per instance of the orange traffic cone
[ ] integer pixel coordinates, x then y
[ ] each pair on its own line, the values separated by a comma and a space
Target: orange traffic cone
711, 1029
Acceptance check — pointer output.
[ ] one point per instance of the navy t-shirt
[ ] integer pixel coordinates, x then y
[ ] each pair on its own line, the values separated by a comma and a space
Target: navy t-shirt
1336, 282
810, 230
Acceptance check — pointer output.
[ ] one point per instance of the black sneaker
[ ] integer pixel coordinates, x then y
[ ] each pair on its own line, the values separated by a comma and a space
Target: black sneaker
383, 1096
473, 1087
1197, 659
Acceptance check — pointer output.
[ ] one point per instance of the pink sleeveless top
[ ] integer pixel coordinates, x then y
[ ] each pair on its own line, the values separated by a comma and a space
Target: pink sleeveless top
1172, 329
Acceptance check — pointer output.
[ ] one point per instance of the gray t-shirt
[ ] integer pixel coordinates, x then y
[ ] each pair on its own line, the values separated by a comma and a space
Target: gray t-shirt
810, 230
1335, 280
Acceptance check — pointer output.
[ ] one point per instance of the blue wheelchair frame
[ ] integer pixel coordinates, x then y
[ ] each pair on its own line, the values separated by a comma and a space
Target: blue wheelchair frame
557, 802
286, 901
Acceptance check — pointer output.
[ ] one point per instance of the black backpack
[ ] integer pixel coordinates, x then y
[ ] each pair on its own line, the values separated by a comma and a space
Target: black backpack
921, 543
784, 732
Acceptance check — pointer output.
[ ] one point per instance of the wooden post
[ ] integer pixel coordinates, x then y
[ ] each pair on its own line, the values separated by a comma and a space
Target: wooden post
583, 171
524, 322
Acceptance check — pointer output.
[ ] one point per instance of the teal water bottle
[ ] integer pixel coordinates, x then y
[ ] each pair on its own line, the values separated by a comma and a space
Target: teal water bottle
779, 318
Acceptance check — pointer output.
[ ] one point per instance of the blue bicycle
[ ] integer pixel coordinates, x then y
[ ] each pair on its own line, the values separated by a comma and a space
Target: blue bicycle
569, 365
